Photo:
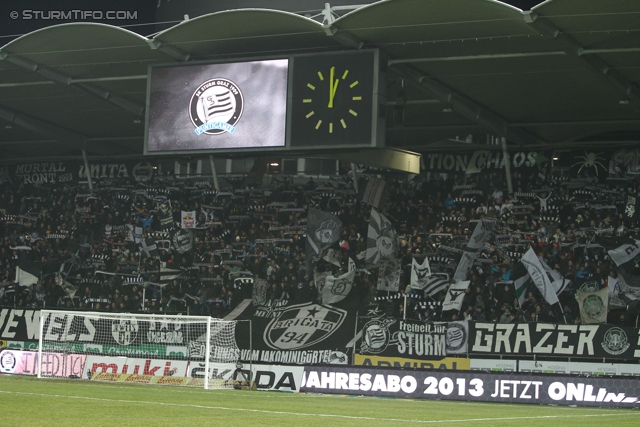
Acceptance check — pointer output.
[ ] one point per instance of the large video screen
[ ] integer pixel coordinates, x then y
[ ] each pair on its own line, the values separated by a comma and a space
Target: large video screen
208, 107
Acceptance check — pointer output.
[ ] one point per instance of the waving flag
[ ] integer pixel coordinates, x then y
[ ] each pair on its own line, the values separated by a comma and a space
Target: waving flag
420, 273
389, 275
149, 247
521, 282
539, 276
627, 257
455, 296
481, 234
435, 283
69, 288
593, 305
323, 230
558, 282
382, 239
188, 219
335, 289
375, 192
27, 271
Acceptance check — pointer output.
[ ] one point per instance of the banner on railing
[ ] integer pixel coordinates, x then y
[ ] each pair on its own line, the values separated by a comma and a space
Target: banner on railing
545, 339
53, 364
412, 339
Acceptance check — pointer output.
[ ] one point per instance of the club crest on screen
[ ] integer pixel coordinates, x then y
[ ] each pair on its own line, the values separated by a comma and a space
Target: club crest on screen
216, 106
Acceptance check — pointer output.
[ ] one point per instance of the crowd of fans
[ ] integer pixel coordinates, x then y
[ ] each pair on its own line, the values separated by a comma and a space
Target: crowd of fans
88, 255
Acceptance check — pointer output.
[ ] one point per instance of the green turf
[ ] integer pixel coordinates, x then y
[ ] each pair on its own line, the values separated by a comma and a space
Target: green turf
27, 401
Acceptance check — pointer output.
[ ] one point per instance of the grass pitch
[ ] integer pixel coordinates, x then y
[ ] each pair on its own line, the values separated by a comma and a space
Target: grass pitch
27, 401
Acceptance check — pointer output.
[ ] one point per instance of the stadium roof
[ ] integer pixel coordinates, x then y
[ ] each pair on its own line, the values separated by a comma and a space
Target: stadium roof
565, 72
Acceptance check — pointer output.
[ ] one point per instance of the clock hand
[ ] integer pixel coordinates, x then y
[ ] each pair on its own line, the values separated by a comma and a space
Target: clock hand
333, 87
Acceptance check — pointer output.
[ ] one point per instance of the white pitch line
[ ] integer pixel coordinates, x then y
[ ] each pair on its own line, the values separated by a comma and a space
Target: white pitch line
303, 414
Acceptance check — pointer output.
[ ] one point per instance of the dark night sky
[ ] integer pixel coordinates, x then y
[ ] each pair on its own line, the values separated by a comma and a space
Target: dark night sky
14, 16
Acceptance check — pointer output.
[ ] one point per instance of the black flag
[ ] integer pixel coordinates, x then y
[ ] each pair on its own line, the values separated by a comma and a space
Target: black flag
323, 230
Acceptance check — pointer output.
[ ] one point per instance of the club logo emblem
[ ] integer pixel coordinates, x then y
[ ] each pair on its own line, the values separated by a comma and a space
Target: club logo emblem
594, 307
303, 325
8, 361
615, 341
456, 337
216, 106
124, 331
375, 336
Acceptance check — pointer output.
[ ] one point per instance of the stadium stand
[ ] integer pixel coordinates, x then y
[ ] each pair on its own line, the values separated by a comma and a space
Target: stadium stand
120, 249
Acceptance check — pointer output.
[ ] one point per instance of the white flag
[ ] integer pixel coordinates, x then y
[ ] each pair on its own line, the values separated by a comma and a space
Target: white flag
188, 219
613, 285
520, 285
555, 275
625, 253
560, 285
455, 295
593, 305
336, 289
437, 282
482, 232
539, 276
389, 275
352, 265
420, 273
333, 256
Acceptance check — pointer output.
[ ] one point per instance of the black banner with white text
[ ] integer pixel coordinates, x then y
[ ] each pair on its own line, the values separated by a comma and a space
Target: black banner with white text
545, 339
474, 386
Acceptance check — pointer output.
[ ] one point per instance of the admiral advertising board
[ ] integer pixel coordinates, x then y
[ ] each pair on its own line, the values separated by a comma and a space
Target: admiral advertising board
447, 363
474, 386
297, 101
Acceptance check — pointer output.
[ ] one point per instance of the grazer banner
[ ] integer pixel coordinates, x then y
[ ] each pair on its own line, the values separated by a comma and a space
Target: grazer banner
544, 339
413, 339
503, 387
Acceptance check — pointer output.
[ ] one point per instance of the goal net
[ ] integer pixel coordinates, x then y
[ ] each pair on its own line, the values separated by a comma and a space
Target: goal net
194, 351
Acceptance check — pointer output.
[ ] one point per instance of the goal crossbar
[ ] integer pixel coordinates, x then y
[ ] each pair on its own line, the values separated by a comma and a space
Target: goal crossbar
179, 346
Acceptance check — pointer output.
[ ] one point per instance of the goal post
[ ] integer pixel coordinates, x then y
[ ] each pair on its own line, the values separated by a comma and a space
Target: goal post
197, 351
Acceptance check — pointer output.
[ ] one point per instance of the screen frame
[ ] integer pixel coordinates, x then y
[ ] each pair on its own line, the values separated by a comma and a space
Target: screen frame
377, 125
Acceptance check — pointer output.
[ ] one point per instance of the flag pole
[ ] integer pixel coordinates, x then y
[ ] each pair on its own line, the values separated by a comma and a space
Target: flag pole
563, 315
355, 338
404, 311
